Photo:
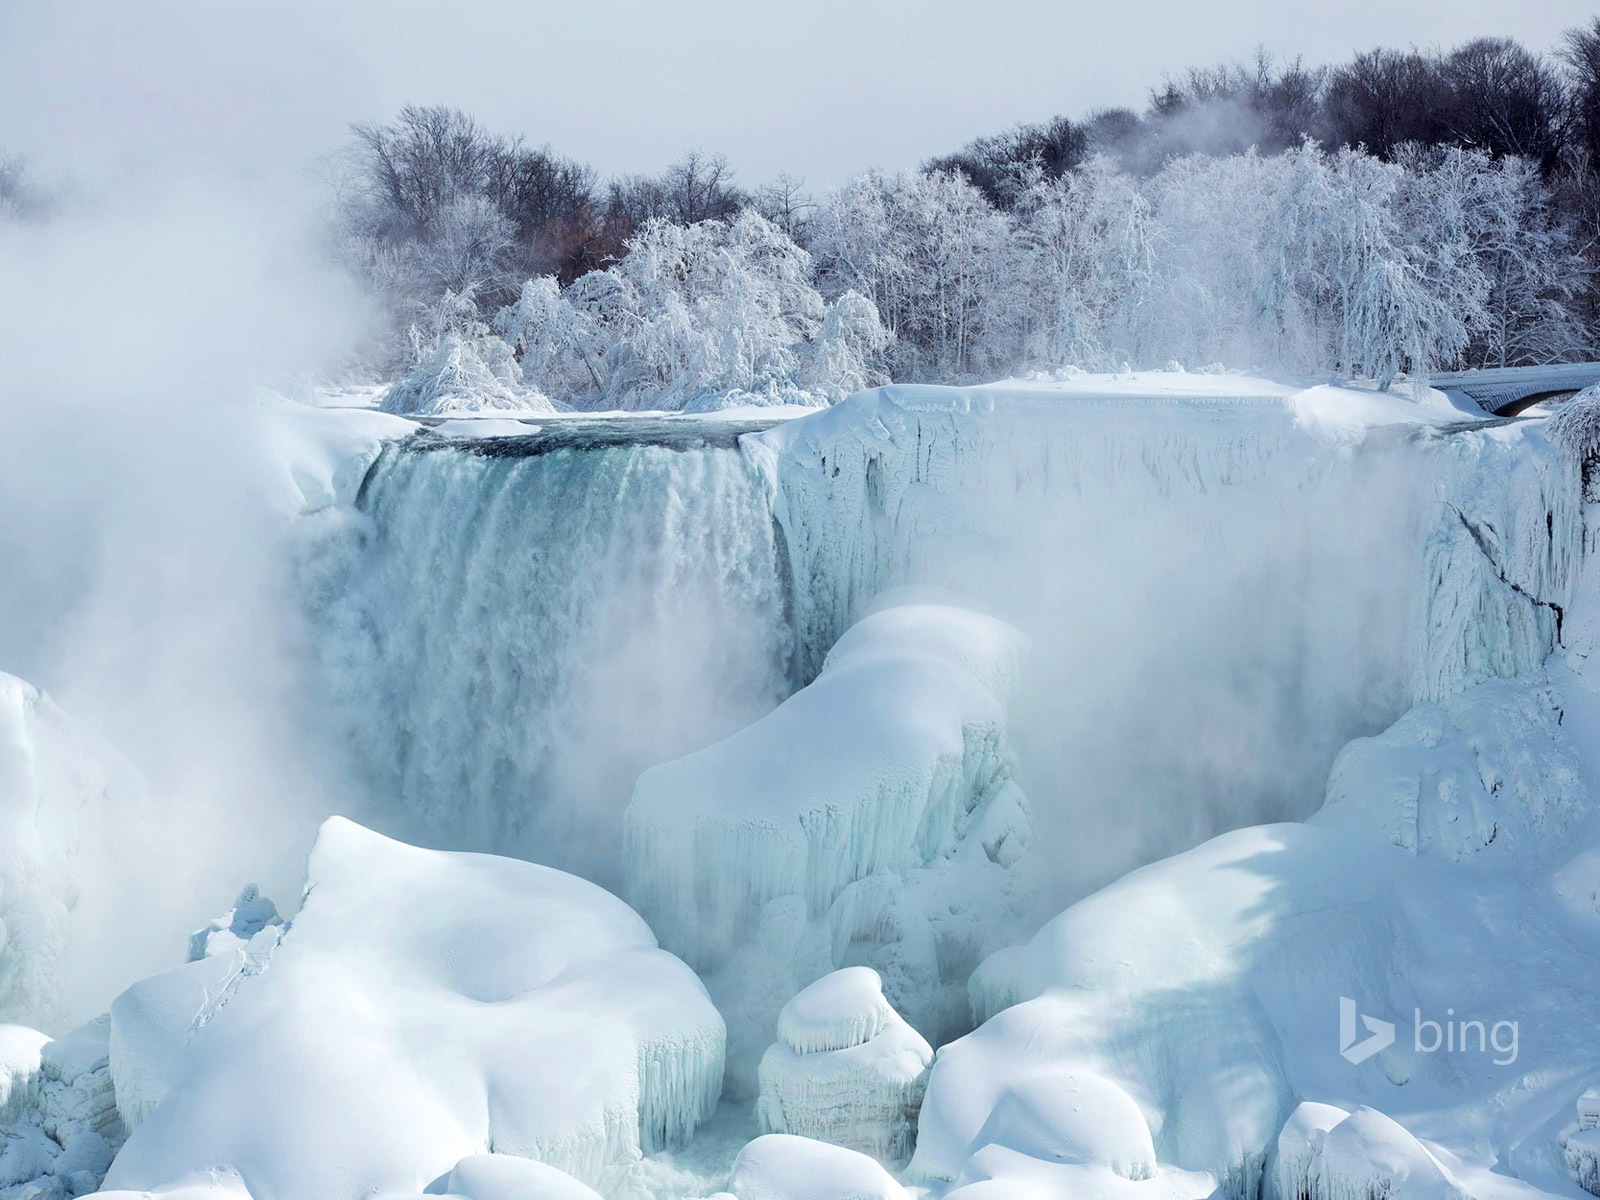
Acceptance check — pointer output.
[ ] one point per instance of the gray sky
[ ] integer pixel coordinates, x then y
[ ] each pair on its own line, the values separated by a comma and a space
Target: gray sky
823, 88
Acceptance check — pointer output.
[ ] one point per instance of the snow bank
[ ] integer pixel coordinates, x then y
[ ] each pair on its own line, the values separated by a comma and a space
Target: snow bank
871, 818
423, 1007
847, 1069
778, 1166
1210, 989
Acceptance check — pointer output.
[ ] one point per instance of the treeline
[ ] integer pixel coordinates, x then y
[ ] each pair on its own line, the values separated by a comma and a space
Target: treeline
1405, 211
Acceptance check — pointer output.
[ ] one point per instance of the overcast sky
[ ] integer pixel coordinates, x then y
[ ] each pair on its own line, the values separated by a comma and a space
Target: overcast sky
822, 88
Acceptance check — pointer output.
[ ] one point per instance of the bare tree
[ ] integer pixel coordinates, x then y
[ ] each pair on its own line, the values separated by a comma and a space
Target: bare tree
1385, 98
1504, 100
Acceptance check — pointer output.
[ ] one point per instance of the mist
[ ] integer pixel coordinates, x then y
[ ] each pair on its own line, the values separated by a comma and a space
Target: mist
143, 583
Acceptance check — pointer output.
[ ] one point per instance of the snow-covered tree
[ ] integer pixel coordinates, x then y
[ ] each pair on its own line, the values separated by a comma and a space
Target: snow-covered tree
457, 363
693, 315
843, 356
927, 250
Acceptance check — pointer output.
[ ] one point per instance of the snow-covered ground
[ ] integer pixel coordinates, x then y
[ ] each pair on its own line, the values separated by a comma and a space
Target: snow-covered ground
1296, 684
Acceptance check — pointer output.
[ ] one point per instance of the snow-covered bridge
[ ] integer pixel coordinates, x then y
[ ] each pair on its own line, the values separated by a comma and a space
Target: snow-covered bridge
1506, 391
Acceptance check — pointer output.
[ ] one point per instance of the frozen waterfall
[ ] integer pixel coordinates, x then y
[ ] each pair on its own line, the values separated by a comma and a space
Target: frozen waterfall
516, 627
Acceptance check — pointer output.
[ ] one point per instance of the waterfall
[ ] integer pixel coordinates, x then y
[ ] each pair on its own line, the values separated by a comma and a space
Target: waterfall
1221, 592
516, 627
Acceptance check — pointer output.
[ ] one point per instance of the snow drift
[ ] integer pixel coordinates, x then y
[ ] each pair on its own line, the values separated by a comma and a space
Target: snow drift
422, 1007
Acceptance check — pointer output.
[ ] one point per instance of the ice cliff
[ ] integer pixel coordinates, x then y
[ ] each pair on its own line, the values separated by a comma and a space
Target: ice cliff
871, 818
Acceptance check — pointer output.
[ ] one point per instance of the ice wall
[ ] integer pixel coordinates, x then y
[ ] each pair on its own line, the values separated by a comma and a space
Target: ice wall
514, 628
872, 818
1225, 579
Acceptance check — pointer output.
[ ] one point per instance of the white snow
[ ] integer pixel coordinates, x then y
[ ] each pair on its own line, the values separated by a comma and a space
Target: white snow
1356, 1157
422, 1007
840, 1010
1208, 987
58, 1138
846, 1070
780, 1166
251, 913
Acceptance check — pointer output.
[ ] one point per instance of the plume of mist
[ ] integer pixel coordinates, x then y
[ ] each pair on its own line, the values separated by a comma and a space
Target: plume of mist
143, 516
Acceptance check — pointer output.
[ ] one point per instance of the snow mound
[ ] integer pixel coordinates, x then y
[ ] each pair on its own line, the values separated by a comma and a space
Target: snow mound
1485, 768
848, 1069
423, 1007
1208, 989
871, 818
1324, 1155
72, 811
504, 1177
836, 1012
779, 1166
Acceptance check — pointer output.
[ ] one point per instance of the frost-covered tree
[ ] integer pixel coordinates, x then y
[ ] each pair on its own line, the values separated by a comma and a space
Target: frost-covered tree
845, 354
1343, 270
691, 316
927, 250
456, 364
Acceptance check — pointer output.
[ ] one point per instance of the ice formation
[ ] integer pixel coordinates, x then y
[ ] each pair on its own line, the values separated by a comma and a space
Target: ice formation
1325, 1153
60, 1128
1205, 988
870, 818
423, 1007
251, 913
1485, 768
1580, 1144
512, 628
846, 1068
780, 1166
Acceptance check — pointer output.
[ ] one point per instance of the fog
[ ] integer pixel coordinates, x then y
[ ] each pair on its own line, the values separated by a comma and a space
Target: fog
141, 588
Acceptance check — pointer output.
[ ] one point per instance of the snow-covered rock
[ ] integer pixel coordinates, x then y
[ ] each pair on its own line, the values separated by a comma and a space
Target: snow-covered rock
871, 818
780, 1166
846, 1070
423, 1007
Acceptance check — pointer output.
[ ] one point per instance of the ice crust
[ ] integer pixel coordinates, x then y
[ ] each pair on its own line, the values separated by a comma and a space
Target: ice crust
847, 1069
423, 1006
